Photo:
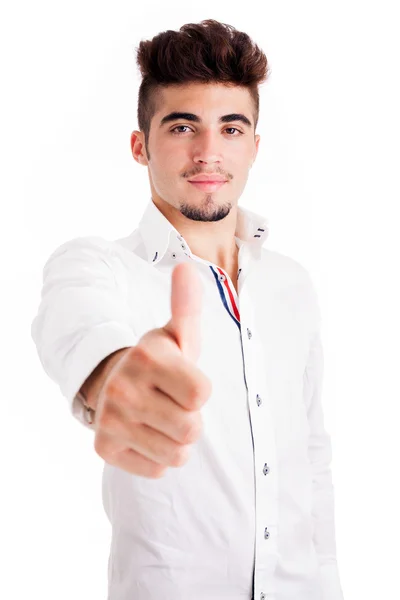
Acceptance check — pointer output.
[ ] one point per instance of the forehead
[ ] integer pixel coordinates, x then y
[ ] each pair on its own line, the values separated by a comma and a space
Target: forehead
201, 97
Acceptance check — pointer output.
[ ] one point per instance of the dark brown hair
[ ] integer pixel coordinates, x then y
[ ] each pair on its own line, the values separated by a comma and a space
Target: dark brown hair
206, 52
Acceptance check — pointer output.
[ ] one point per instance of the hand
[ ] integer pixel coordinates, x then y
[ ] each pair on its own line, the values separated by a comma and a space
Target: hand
148, 409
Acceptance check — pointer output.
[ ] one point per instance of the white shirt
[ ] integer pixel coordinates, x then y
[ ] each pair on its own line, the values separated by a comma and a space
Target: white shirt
251, 513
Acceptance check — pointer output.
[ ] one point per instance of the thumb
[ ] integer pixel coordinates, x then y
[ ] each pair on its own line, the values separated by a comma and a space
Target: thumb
186, 304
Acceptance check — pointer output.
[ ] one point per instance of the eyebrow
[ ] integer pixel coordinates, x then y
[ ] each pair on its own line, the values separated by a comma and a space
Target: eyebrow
174, 116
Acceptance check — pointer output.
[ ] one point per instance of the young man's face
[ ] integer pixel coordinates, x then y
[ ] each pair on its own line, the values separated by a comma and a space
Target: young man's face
182, 148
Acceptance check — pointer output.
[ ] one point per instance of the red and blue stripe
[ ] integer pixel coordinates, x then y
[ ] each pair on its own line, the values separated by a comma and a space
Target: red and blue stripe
228, 295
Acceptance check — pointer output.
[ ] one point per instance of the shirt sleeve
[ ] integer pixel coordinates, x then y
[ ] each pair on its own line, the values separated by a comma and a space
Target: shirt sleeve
83, 315
320, 456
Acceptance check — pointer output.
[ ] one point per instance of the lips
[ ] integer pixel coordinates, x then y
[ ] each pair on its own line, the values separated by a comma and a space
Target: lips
208, 179
209, 186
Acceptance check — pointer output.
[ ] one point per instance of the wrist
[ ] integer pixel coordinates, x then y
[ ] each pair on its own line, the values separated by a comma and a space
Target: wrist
90, 390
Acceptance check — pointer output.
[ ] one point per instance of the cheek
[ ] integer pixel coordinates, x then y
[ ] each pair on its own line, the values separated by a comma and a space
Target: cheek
170, 164
167, 173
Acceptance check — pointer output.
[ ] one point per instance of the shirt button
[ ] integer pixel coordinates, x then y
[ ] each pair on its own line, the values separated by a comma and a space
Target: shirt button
266, 533
239, 273
221, 277
248, 333
266, 469
262, 596
173, 255
183, 246
258, 400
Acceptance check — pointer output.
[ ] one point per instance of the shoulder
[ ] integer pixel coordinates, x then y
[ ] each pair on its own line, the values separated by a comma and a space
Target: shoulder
284, 267
95, 247
84, 245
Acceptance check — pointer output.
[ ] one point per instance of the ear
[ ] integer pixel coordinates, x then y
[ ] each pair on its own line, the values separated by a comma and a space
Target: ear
257, 141
138, 147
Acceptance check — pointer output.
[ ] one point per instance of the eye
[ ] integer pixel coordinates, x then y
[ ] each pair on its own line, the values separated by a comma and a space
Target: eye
179, 132
236, 129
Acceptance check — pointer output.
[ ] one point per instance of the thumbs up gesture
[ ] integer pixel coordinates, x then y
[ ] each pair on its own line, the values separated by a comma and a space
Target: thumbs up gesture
148, 407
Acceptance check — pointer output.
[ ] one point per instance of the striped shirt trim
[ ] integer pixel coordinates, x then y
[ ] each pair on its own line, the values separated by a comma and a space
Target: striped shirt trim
227, 295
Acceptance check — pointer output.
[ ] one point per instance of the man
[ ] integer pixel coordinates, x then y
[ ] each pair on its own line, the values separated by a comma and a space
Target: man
194, 354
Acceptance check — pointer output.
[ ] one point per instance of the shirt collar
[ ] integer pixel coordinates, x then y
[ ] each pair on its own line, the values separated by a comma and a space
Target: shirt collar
156, 230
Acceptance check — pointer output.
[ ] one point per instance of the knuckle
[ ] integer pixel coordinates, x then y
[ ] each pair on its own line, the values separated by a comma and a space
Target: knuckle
112, 422
156, 471
142, 357
122, 393
114, 387
179, 456
194, 397
191, 428
198, 393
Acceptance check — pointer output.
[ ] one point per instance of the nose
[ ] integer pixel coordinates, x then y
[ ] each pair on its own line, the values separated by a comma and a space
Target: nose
207, 149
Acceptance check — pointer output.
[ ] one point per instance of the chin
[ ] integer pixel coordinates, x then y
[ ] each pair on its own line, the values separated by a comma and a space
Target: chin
208, 211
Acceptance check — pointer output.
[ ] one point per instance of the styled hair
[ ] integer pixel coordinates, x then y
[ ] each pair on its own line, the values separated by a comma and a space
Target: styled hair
205, 52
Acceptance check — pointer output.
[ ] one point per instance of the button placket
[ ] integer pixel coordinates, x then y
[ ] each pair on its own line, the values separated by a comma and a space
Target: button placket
264, 449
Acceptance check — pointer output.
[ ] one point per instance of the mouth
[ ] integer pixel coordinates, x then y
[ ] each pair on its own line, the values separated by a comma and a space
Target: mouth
208, 186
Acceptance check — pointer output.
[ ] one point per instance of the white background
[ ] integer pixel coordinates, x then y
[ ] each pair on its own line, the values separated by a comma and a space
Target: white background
327, 178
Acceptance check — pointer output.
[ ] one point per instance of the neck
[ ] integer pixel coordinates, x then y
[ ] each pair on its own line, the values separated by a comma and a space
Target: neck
213, 241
